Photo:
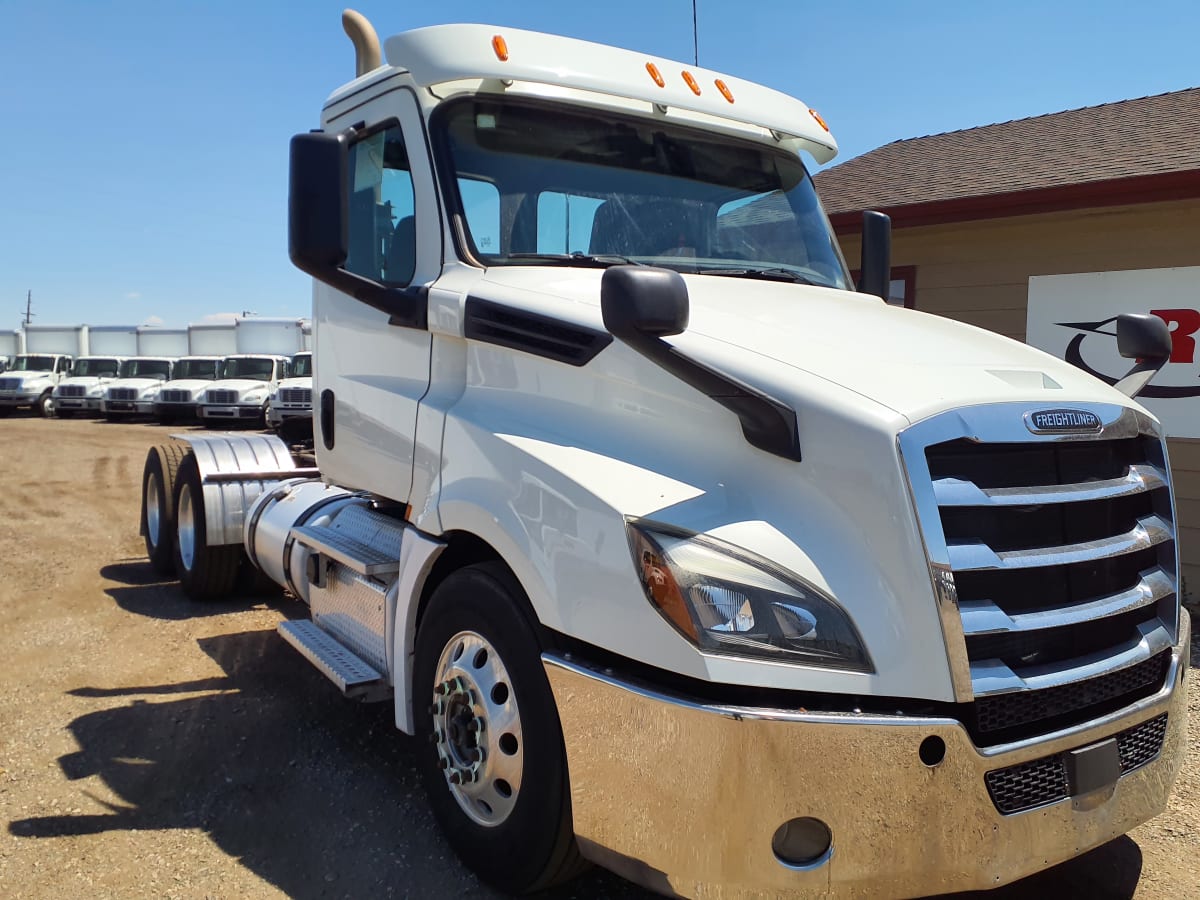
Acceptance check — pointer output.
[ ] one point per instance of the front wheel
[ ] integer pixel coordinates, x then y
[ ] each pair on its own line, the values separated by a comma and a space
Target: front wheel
495, 768
44, 406
205, 572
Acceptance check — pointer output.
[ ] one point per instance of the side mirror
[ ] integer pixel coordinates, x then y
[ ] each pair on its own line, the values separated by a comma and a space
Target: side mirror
641, 302
319, 228
1145, 338
318, 207
875, 270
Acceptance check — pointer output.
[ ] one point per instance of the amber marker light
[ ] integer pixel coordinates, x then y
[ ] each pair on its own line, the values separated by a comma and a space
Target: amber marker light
724, 89
655, 74
661, 586
816, 115
501, 47
691, 82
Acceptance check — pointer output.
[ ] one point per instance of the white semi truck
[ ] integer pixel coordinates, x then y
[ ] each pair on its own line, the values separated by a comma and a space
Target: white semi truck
83, 390
292, 397
50, 351
180, 397
264, 348
686, 557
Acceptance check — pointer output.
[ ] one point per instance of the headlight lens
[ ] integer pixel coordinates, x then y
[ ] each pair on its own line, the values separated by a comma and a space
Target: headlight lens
254, 397
727, 600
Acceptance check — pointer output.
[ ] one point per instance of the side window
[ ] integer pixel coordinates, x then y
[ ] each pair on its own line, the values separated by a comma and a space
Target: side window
382, 230
481, 204
64, 364
564, 222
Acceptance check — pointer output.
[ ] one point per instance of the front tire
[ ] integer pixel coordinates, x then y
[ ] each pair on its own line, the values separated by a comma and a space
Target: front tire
495, 769
158, 505
44, 406
206, 573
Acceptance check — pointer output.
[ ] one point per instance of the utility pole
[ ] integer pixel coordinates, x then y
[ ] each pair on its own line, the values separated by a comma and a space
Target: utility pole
695, 37
28, 308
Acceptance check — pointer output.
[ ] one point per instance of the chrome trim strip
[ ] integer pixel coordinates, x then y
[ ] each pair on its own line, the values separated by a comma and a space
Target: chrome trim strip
985, 617
991, 676
1141, 478
1149, 532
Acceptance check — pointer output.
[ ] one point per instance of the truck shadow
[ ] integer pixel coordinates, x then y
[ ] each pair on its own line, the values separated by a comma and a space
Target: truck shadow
143, 592
318, 796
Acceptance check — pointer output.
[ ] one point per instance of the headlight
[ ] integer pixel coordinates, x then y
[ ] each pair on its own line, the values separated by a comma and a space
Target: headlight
727, 600
254, 397
150, 392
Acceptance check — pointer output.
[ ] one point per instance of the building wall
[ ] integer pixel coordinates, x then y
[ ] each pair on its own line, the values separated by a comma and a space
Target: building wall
978, 272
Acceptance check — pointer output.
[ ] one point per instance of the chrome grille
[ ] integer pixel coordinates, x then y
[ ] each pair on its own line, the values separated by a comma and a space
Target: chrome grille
10, 384
296, 395
1036, 783
120, 393
72, 390
1054, 561
174, 395
221, 396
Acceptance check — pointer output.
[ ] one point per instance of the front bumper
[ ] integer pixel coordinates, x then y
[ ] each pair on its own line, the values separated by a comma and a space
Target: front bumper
236, 411
19, 399
78, 404
276, 414
685, 798
129, 407
176, 410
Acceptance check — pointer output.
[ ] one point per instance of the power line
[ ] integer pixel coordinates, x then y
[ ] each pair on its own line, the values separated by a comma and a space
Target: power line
695, 38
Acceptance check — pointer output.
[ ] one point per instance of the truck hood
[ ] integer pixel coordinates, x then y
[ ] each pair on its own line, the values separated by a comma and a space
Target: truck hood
24, 378
189, 384
140, 383
913, 363
303, 381
88, 381
241, 385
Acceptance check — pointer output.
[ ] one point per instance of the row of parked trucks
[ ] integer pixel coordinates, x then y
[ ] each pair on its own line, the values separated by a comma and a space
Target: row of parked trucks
253, 369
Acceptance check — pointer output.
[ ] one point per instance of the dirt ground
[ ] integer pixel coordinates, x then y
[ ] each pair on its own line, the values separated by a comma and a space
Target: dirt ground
150, 747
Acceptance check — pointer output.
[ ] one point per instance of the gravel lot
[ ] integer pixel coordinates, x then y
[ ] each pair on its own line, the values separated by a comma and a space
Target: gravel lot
156, 748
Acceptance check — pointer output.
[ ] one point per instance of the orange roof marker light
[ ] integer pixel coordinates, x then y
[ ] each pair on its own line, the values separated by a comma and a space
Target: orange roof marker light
691, 82
817, 116
725, 92
655, 74
501, 48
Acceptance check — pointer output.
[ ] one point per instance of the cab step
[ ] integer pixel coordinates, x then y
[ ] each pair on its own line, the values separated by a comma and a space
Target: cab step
355, 678
355, 555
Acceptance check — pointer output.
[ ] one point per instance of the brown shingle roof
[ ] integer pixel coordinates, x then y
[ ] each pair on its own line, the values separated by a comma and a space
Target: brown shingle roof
1147, 136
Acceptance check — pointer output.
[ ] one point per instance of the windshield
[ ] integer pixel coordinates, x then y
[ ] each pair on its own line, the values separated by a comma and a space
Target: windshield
597, 184
301, 365
146, 368
198, 369
33, 364
256, 368
95, 367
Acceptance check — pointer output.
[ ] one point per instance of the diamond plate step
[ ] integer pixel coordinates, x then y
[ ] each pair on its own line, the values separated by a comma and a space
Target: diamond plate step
354, 555
353, 677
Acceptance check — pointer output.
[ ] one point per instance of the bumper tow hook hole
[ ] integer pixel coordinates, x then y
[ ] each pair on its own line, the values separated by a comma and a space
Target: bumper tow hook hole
804, 843
932, 750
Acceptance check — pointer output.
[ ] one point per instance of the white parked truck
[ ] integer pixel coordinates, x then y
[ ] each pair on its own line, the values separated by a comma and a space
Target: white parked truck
243, 391
684, 556
83, 391
292, 397
135, 392
50, 351
180, 397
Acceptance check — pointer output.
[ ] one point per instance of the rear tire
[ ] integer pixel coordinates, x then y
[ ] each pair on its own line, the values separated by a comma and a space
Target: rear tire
206, 573
158, 505
512, 822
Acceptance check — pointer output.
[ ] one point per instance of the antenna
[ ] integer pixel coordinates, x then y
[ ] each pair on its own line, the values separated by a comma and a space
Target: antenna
695, 38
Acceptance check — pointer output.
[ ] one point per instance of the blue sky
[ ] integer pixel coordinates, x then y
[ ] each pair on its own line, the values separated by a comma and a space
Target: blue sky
143, 170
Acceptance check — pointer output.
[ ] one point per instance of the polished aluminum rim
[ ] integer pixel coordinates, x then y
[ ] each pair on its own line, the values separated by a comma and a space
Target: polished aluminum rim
477, 729
187, 527
152, 519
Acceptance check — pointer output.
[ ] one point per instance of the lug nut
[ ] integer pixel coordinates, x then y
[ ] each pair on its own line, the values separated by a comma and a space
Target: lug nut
476, 724
456, 777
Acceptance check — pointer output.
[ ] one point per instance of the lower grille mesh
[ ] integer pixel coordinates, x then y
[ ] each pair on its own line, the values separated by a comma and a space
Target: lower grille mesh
1042, 781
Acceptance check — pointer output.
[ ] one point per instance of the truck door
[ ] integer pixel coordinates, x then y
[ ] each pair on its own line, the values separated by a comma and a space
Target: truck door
369, 375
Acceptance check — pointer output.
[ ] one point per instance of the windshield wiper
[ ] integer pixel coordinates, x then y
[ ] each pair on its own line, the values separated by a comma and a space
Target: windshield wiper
578, 258
768, 274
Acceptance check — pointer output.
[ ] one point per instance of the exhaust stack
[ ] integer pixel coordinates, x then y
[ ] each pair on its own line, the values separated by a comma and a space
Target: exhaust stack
367, 57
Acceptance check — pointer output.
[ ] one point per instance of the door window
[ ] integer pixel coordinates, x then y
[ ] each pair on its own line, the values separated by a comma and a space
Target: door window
382, 227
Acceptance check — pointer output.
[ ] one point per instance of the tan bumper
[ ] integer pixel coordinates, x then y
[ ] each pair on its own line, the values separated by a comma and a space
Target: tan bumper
685, 798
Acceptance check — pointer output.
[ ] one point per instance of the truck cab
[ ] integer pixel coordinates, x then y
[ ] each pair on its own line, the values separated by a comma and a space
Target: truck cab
681, 552
135, 391
242, 392
292, 397
180, 397
83, 390
31, 380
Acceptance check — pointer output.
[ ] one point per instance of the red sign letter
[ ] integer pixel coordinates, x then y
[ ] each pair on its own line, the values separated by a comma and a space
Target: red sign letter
1187, 323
